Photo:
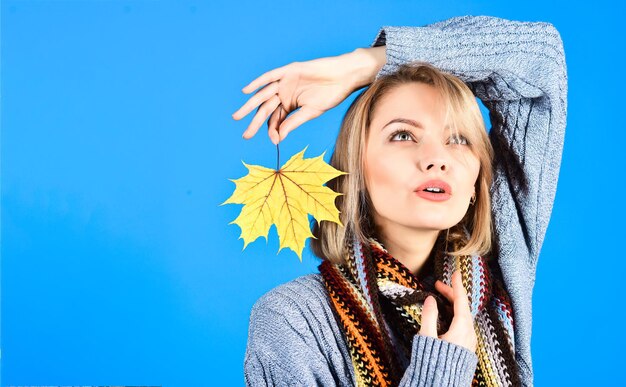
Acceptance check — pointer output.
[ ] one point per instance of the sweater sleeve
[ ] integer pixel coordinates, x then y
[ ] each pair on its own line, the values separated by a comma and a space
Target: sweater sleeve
436, 362
517, 69
293, 339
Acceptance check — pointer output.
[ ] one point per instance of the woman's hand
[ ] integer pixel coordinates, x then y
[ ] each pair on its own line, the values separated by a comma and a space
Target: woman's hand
314, 87
461, 330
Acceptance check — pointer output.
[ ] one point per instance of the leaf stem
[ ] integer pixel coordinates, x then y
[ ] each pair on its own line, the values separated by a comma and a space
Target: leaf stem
277, 157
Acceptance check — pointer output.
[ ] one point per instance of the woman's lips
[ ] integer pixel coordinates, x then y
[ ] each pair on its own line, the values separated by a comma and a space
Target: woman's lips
436, 197
435, 184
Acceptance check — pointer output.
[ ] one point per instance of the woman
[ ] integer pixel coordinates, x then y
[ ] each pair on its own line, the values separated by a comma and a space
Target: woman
416, 208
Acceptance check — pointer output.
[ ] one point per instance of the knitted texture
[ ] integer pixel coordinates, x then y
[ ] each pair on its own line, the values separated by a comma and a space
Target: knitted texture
371, 270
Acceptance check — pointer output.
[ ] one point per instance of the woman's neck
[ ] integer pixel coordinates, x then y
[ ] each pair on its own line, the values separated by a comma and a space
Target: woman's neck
409, 246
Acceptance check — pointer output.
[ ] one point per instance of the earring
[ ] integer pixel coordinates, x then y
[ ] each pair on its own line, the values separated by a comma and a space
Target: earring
473, 199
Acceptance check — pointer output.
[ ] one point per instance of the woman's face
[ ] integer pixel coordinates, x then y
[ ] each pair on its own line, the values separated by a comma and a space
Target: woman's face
410, 151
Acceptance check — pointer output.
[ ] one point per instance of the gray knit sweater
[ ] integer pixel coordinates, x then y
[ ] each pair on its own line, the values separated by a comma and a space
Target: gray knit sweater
518, 70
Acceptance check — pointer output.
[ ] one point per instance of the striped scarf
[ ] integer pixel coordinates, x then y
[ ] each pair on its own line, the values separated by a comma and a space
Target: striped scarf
372, 284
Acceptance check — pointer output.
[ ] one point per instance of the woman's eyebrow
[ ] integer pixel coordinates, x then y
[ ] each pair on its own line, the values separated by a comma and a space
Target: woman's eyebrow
404, 121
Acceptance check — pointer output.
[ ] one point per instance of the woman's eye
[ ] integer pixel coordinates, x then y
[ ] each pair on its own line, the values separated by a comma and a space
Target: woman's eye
458, 140
402, 135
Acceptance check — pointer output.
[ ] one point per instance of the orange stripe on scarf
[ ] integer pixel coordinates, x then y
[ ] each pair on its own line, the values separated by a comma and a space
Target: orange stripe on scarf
358, 334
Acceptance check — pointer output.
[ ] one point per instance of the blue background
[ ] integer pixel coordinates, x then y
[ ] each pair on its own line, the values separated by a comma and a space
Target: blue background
118, 264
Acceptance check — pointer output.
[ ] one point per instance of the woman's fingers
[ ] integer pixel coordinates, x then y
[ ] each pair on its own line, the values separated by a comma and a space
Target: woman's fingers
261, 115
299, 117
445, 290
461, 331
277, 117
261, 96
463, 323
269, 76
461, 303
454, 293
429, 317
305, 90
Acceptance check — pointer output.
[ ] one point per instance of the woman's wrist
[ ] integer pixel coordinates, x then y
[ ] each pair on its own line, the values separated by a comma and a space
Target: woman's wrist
365, 63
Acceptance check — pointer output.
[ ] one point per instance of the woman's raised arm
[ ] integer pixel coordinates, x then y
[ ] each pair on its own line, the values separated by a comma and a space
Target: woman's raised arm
518, 70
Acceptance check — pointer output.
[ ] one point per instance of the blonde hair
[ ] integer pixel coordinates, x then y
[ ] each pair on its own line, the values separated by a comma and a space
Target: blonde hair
348, 156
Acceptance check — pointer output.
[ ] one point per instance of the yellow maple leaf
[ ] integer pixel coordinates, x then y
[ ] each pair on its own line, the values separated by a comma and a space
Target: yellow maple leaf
284, 198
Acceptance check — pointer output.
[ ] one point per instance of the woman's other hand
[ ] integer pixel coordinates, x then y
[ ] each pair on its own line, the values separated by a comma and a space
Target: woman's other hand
461, 330
313, 86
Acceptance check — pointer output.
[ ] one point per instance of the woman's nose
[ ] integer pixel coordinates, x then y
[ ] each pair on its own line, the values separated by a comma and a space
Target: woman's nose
433, 158
435, 165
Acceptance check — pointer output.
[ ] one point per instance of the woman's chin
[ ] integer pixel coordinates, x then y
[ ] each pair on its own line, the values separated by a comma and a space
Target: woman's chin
434, 224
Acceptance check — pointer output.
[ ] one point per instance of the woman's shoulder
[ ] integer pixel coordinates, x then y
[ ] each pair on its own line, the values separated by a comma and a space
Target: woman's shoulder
299, 297
297, 314
295, 337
